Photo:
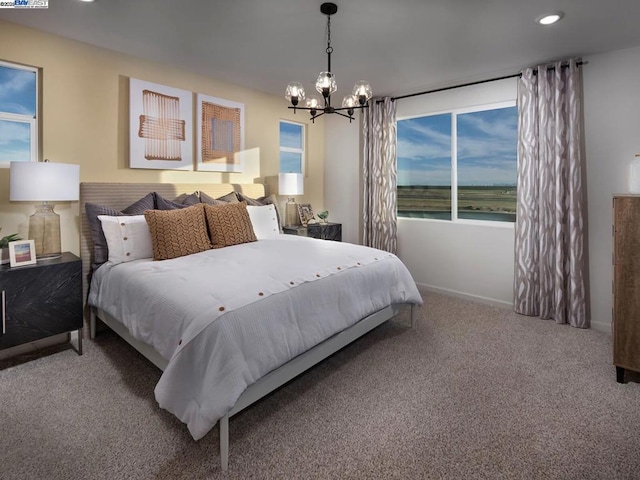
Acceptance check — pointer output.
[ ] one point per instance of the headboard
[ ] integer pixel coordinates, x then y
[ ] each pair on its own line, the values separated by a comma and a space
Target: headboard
121, 195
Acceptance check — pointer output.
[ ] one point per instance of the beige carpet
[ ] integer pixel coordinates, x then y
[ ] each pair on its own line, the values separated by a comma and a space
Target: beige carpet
473, 392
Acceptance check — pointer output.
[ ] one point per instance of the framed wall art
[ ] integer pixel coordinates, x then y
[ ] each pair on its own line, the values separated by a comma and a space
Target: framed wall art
160, 126
22, 252
220, 127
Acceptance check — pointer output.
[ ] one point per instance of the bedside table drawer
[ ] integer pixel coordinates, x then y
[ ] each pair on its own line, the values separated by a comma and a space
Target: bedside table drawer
324, 231
40, 300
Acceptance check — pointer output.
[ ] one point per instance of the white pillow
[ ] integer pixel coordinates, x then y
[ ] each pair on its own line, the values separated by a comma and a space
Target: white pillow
264, 221
128, 237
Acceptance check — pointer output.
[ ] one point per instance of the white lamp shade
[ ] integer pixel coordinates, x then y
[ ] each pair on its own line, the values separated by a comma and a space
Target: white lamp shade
44, 182
290, 184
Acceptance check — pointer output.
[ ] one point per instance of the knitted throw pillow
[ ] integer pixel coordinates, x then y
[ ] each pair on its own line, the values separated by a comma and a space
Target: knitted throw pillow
175, 233
229, 224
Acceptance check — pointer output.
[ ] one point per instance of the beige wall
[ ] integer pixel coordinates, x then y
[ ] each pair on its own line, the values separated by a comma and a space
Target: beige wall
85, 121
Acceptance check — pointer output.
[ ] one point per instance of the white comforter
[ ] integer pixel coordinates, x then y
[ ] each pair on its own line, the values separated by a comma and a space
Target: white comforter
225, 318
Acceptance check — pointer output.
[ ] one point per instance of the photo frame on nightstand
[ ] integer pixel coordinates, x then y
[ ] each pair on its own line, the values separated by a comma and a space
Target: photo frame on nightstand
22, 252
305, 213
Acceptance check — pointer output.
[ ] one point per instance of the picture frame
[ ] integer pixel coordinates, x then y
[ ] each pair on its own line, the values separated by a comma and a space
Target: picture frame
22, 252
160, 126
220, 137
305, 212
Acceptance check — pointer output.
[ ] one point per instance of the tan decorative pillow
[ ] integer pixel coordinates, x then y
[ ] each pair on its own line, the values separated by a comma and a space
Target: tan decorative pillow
175, 233
229, 224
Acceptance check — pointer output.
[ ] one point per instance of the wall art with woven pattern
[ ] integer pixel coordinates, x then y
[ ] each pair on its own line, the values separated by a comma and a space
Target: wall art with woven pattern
220, 126
160, 126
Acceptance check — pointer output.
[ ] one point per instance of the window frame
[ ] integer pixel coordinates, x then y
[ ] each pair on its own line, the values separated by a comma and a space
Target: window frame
301, 150
32, 121
454, 112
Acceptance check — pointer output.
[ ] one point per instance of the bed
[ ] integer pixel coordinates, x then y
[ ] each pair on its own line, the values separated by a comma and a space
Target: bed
256, 315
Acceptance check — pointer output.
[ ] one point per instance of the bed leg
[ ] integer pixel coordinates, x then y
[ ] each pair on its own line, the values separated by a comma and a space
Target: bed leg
92, 323
413, 316
224, 443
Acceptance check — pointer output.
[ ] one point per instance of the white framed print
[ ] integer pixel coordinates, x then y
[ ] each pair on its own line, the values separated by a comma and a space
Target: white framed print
160, 126
220, 127
22, 252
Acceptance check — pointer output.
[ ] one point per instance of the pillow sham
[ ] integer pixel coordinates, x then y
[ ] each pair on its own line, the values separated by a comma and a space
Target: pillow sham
128, 237
229, 224
100, 247
268, 200
228, 198
264, 220
176, 233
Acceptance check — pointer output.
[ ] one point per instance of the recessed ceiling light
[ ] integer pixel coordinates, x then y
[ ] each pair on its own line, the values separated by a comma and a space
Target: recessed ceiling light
87, 1
549, 18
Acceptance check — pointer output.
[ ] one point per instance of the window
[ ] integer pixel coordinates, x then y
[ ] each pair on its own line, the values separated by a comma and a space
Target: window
291, 147
459, 165
18, 113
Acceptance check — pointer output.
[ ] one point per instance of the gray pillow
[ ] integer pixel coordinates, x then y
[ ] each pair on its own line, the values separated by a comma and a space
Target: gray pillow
100, 249
164, 204
188, 199
228, 198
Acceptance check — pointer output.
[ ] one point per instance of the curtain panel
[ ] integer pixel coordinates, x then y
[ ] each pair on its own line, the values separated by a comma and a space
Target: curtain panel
380, 175
549, 243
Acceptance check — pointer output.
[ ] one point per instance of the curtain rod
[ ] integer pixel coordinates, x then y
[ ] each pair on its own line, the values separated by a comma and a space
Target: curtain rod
514, 75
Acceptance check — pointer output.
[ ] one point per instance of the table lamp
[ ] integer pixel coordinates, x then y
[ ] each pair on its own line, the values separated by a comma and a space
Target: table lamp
44, 182
291, 184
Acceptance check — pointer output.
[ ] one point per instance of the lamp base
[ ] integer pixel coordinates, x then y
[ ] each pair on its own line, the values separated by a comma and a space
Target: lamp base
291, 217
44, 230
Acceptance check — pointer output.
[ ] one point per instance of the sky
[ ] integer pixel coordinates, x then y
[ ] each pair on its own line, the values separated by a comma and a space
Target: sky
487, 144
291, 137
17, 95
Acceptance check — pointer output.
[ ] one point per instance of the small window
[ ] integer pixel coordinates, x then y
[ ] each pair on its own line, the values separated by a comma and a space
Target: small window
459, 165
18, 113
291, 147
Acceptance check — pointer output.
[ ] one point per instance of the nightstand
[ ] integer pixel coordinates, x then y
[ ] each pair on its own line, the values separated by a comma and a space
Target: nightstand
41, 300
324, 231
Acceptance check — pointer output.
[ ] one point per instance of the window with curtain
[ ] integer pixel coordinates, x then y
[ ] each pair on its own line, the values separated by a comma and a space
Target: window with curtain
459, 165
18, 113
291, 147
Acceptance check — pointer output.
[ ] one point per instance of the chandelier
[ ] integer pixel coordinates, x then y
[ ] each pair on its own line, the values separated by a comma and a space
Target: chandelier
326, 85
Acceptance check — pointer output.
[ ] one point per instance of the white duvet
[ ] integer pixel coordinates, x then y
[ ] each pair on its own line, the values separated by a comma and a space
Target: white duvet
224, 318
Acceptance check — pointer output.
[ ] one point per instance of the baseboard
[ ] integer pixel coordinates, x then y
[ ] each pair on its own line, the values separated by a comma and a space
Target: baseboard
598, 326
466, 296
601, 327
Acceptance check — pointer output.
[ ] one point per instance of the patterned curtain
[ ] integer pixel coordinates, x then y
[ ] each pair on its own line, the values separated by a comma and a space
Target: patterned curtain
379, 175
549, 246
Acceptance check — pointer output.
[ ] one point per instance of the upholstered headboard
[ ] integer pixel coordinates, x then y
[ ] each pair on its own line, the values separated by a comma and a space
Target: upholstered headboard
121, 195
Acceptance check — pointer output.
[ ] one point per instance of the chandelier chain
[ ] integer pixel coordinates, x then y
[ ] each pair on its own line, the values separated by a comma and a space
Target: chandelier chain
329, 47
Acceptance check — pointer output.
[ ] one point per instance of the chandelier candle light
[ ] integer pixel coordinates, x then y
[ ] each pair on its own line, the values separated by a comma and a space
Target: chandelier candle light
326, 85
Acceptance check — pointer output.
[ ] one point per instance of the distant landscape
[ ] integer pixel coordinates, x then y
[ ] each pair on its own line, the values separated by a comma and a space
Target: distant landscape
474, 202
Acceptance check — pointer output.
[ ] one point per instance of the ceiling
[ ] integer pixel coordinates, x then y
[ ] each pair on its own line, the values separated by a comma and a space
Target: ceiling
399, 46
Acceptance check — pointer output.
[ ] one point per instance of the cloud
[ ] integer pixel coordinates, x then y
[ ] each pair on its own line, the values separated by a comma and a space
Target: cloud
11, 132
486, 149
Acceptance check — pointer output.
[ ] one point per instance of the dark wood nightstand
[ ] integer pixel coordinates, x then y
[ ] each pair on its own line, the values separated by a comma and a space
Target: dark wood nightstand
41, 300
324, 231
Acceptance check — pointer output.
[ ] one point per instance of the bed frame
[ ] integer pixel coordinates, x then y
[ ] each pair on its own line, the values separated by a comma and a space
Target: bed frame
120, 195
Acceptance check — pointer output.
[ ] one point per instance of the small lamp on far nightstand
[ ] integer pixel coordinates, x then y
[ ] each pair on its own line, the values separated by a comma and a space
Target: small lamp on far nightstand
291, 184
44, 182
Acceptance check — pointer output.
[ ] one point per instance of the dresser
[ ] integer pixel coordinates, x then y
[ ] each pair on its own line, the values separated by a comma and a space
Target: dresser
41, 300
626, 284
